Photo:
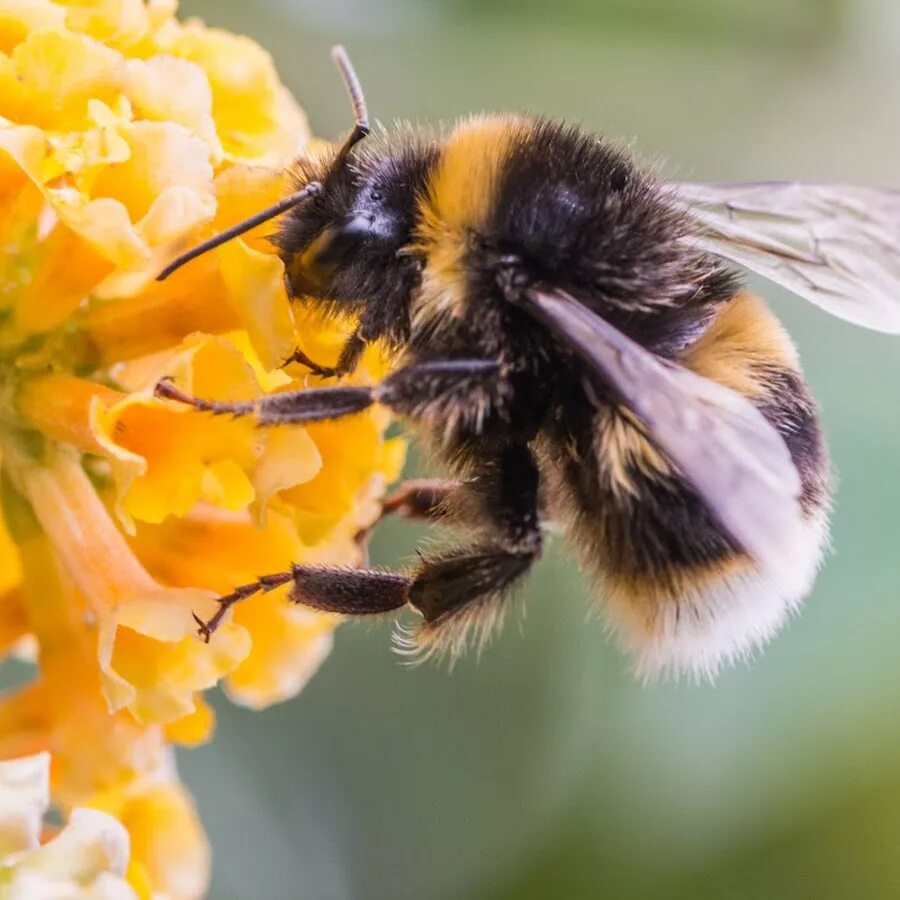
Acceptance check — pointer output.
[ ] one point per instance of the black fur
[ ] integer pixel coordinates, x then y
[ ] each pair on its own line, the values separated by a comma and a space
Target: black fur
577, 214
506, 491
448, 585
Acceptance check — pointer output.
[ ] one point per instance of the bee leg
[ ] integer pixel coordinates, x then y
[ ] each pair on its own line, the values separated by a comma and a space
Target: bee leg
415, 498
403, 391
312, 405
419, 498
454, 591
350, 592
351, 353
298, 356
460, 594
262, 585
464, 590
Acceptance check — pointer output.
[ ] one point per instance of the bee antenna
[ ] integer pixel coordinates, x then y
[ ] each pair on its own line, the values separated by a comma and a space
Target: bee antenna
360, 130
357, 99
270, 212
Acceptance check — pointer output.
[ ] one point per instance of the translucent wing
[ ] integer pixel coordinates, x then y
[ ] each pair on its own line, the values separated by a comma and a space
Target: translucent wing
735, 460
835, 245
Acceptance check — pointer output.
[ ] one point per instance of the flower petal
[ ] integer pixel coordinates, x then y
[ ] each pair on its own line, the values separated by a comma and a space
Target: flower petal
150, 659
193, 729
118, 23
166, 89
92, 842
167, 840
157, 318
166, 184
289, 645
52, 75
219, 551
164, 455
256, 119
24, 797
20, 17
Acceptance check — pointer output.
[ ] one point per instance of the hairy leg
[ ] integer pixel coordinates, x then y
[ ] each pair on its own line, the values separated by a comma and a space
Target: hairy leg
409, 391
416, 498
351, 353
351, 592
420, 498
457, 591
298, 356
464, 590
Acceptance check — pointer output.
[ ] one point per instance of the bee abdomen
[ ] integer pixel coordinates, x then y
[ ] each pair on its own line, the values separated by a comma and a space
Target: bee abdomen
678, 594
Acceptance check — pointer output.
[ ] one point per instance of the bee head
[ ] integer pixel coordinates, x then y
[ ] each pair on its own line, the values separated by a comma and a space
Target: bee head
318, 266
346, 244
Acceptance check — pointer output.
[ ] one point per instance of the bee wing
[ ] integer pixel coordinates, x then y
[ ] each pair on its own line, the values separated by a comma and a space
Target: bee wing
725, 448
835, 245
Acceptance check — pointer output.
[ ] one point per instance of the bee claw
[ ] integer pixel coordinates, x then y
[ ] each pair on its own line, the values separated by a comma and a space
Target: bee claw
297, 355
203, 629
165, 389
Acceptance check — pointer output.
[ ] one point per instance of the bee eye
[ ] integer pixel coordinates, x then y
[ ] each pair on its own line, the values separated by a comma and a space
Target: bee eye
312, 269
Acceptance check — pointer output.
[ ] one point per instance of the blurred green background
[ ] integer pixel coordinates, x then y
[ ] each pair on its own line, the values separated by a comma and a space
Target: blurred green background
543, 770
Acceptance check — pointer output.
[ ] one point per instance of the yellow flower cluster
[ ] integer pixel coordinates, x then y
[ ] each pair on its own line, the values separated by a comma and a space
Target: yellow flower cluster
125, 135
85, 860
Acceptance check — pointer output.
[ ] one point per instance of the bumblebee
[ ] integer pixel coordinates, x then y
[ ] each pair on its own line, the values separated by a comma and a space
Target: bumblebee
574, 346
